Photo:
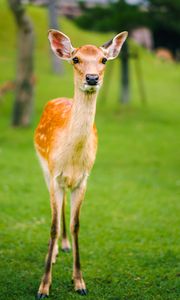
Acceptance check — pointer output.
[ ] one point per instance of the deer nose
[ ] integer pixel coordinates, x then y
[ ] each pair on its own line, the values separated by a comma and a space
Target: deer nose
92, 79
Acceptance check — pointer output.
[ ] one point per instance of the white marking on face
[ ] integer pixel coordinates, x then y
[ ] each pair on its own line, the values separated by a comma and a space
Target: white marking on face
90, 88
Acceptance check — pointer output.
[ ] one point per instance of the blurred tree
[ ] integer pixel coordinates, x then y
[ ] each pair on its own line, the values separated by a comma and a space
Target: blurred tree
164, 16
116, 16
22, 111
57, 64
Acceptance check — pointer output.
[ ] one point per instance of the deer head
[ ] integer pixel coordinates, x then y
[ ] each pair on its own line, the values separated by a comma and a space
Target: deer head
88, 60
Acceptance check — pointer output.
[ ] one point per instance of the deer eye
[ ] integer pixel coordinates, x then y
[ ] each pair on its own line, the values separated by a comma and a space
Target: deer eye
75, 60
104, 60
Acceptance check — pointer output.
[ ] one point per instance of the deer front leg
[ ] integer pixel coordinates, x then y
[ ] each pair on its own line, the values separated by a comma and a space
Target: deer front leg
56, 197
76, 201
65, 242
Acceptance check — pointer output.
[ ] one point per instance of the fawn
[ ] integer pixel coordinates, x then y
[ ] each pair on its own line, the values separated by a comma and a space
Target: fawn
66, 143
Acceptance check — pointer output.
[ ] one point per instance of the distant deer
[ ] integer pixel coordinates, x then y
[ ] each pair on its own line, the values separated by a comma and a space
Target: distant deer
164, 54
66, 144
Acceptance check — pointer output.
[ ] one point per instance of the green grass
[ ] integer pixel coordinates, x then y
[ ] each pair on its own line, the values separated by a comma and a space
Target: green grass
129, 235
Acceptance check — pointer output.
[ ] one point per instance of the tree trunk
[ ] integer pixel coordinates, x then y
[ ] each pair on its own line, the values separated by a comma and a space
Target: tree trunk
57, 64
125, 94
23, 105
140, 78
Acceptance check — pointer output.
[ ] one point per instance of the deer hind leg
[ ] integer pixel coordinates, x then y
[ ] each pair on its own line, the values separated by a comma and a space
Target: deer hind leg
76, 201
56, 197
65, 242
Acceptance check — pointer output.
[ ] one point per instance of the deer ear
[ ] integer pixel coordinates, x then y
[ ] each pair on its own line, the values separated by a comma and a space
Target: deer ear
60, 44
112, 48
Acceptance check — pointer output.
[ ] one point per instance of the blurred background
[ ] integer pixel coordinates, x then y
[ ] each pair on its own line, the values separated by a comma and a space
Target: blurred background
129, 234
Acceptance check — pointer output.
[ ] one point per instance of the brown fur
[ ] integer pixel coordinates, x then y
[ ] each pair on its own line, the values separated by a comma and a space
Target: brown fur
66, 144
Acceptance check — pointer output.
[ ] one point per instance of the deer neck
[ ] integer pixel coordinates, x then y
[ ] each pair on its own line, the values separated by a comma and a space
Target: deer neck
82, 115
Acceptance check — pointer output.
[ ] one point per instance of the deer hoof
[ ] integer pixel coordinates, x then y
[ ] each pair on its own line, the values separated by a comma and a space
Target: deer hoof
65, 246
82, 292
66, 250
41, 296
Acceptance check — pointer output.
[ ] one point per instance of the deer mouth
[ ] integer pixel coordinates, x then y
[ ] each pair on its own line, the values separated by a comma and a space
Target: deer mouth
87, 88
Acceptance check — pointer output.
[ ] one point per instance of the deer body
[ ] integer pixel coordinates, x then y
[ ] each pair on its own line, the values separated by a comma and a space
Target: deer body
71, 139
66, 144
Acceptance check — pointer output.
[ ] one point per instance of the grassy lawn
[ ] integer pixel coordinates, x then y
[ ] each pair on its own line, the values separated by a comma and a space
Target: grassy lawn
129, 237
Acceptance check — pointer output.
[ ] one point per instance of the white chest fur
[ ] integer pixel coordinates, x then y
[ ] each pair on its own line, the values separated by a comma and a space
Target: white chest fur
75, 155
78, 162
